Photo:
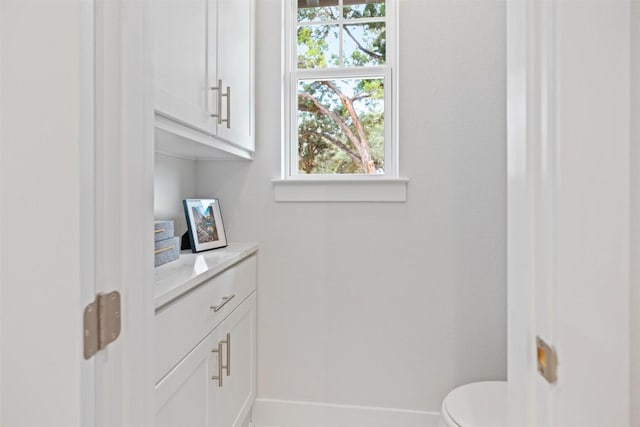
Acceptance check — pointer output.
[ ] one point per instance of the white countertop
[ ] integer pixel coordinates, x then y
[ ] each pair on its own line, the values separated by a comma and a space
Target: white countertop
190, 270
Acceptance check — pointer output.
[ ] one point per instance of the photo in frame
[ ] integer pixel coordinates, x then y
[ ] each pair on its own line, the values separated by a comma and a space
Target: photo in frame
204, 222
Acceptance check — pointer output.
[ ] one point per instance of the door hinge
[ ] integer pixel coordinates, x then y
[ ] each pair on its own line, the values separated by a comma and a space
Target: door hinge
101, 323
547, 361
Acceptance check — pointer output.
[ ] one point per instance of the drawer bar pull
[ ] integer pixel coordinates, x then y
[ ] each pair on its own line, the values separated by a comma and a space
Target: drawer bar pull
219, 351
225, 300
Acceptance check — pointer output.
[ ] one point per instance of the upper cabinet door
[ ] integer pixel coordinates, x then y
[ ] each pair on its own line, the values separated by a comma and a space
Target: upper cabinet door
180, 62
235, 67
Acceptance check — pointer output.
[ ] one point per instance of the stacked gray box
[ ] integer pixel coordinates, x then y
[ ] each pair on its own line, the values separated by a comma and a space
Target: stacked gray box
167, 246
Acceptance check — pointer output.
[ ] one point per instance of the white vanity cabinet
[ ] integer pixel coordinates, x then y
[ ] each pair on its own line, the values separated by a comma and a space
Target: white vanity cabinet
204, 77
205, 363
232, 399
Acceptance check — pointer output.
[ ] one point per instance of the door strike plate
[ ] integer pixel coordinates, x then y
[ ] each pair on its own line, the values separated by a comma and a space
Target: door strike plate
547, 361
102, 323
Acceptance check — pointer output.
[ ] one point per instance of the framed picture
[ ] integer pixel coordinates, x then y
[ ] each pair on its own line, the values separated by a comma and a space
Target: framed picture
204, 221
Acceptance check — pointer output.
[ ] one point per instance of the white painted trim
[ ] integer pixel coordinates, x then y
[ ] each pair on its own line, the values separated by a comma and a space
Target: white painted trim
332, 190
337, 73
124, 207
287, 413
138, 176
87, 193
2, 191
635, 217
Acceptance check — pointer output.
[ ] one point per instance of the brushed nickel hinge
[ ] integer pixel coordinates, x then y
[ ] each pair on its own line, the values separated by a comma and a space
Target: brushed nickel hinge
101, 323
547, 361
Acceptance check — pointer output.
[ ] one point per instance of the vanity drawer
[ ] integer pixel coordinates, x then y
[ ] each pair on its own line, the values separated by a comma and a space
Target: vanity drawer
183, 323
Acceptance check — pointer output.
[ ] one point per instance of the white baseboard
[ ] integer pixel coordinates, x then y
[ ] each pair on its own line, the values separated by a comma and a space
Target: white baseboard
285, 413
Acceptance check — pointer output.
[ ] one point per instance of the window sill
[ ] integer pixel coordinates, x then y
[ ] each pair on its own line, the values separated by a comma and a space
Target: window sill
340, 190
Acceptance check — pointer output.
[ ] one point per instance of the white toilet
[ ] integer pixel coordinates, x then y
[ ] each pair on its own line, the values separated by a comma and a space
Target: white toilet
481, 404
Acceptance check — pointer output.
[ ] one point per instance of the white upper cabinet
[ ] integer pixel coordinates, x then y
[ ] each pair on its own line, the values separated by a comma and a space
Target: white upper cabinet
204, 78
180, 61
235, 69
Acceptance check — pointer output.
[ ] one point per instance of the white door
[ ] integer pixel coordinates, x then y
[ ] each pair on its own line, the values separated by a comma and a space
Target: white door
43, 237
180, 62
182, 395
234, 57
569, 149
231, 404
68, 226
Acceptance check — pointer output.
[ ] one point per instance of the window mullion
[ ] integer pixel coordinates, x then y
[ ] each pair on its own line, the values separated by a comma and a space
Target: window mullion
338, 73
346, 21
293, 125
340, 44
340, 34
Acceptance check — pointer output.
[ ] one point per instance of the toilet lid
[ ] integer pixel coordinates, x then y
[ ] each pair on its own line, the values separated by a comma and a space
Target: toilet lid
482, 404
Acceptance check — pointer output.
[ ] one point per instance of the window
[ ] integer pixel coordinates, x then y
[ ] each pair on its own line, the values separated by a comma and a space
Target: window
339, 90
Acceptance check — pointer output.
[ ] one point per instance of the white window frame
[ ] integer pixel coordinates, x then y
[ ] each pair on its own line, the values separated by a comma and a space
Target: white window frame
290, 178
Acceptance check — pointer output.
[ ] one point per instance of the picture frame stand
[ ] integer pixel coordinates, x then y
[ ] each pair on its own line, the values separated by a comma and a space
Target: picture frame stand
185, 242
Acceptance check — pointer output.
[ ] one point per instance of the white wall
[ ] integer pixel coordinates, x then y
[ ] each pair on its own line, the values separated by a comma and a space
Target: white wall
174, 180
377, 304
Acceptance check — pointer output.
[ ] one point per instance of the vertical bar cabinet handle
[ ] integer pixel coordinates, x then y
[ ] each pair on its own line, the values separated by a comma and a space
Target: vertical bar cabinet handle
219, 351
228, 354
218, 90
228, 96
